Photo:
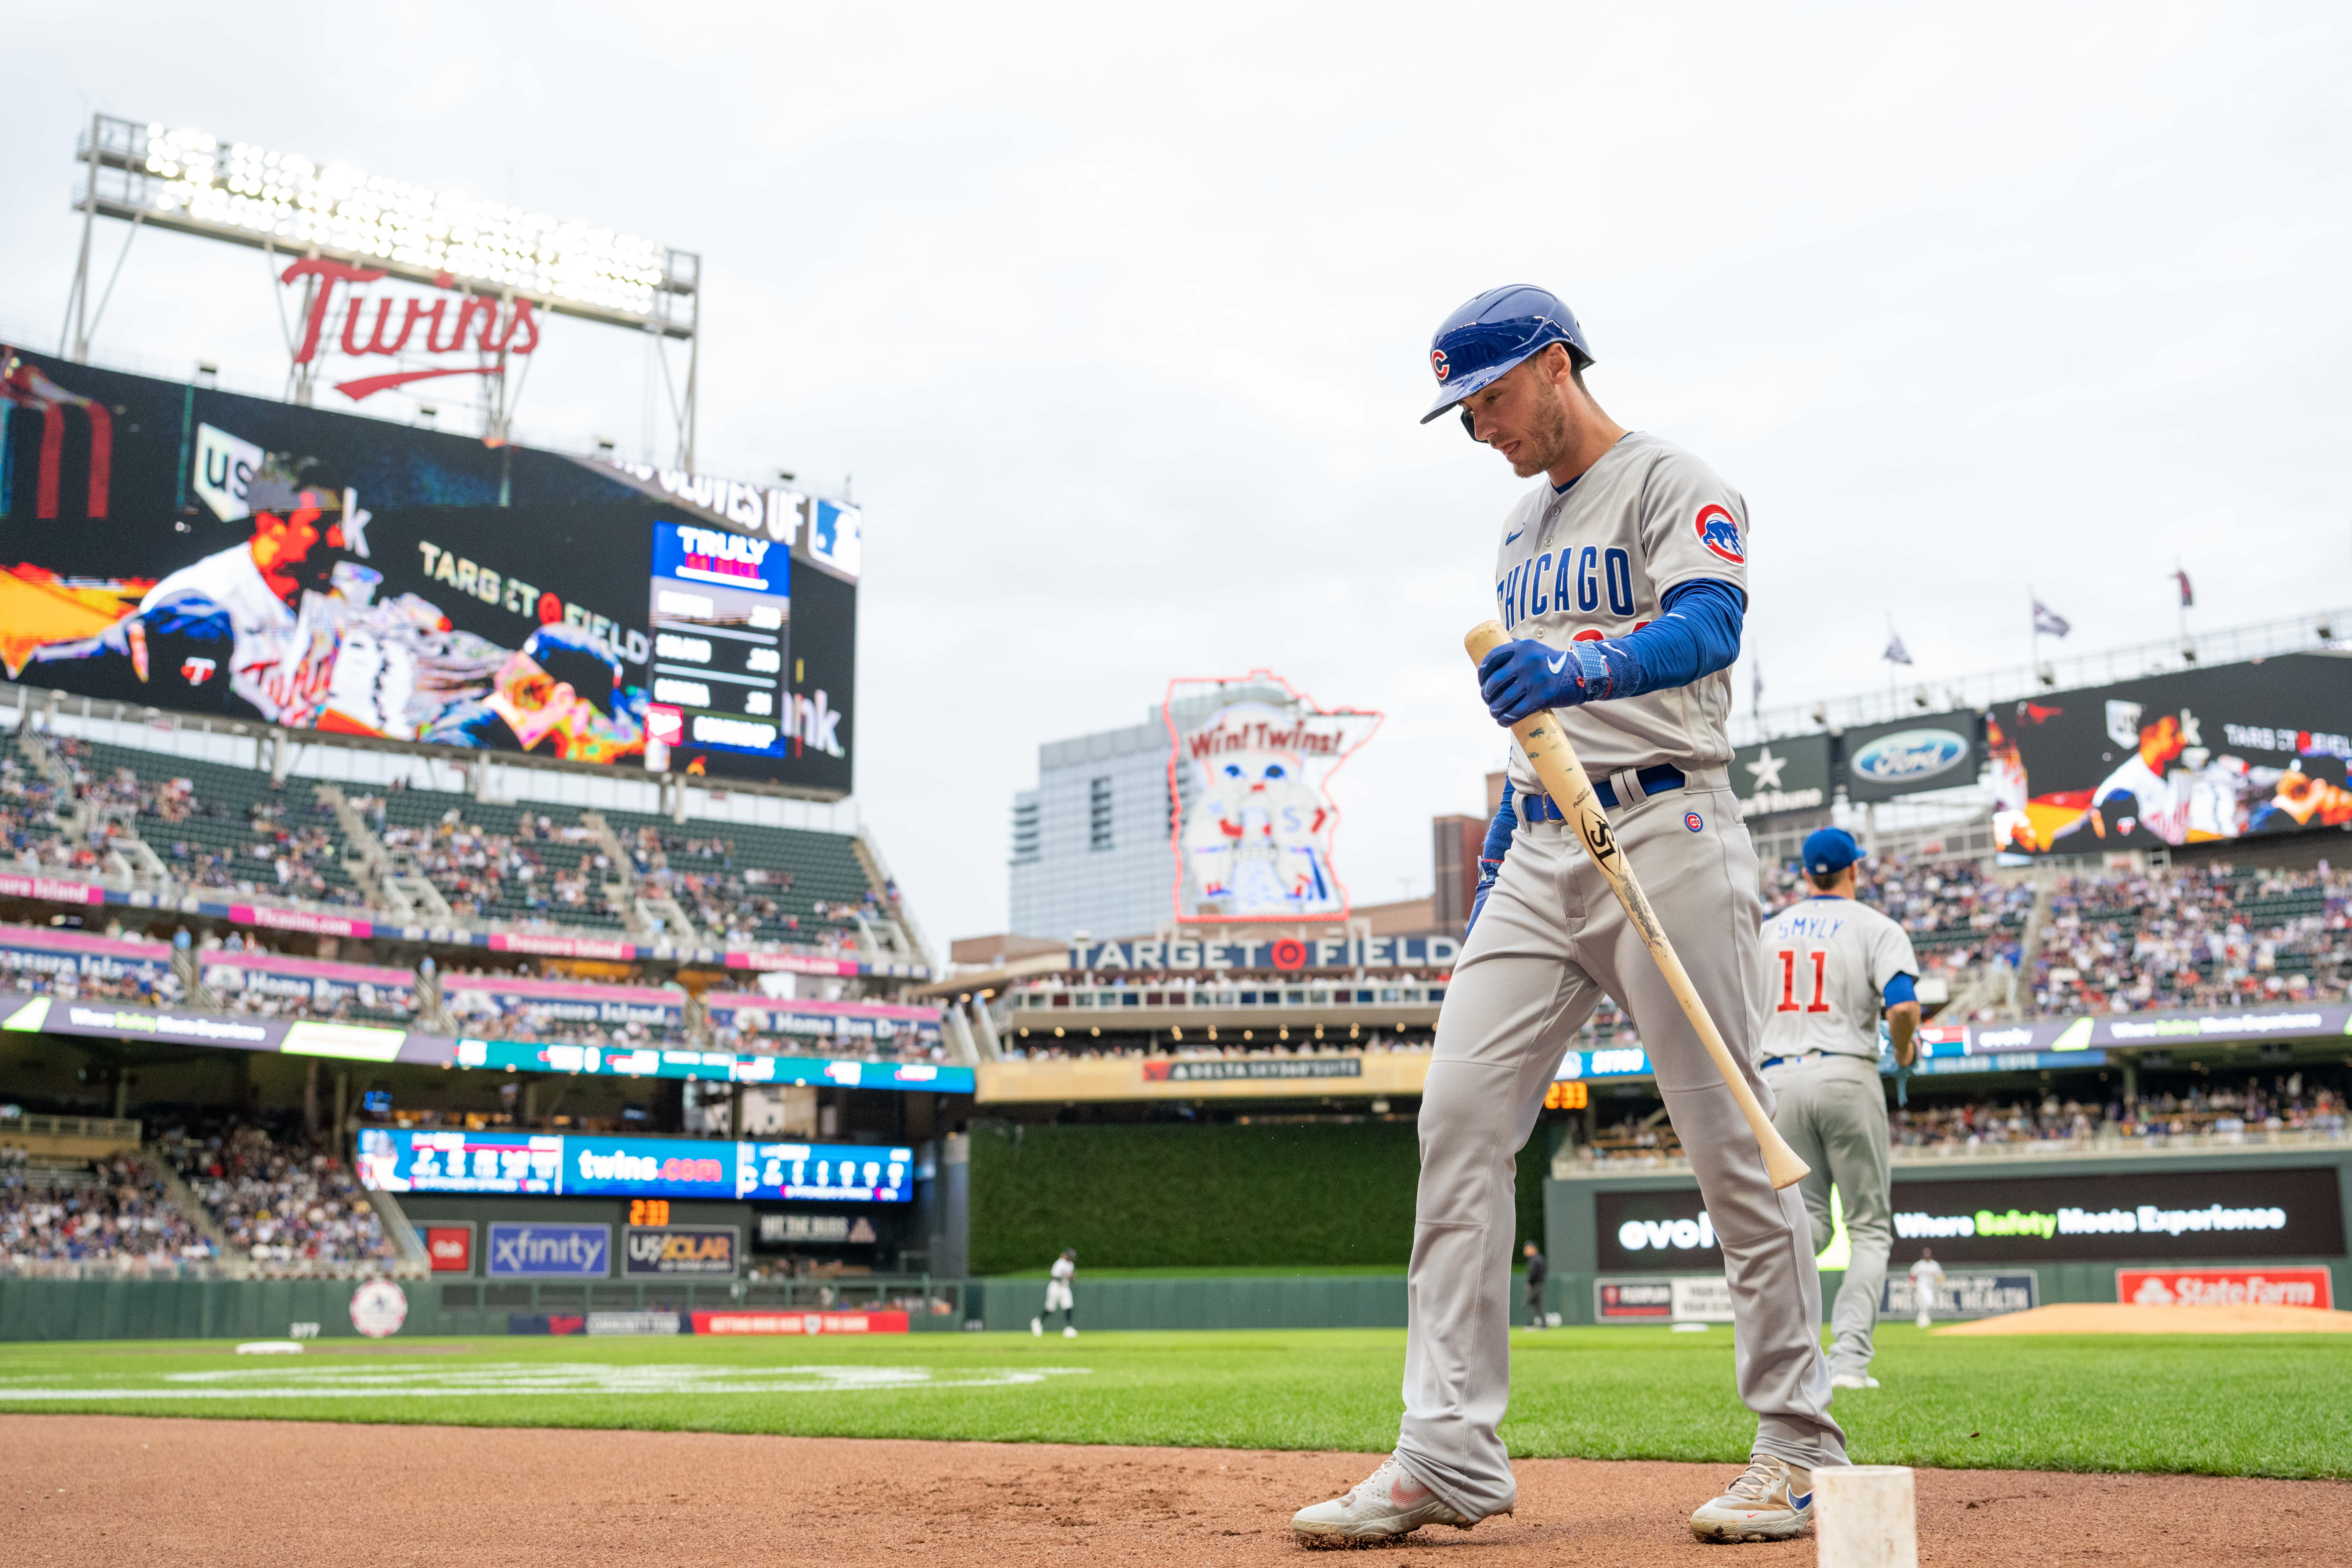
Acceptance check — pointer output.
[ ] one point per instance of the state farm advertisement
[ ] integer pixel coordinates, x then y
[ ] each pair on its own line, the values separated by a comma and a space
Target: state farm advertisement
2226, 1288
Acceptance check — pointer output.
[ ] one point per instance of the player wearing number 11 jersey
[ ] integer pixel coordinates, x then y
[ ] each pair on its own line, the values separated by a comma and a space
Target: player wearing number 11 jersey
1831, 966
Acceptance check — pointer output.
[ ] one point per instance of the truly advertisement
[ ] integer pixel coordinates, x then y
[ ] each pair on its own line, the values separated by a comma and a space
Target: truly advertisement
184, 548
403, 1160
1250, 764
2191, 758
2041, 1218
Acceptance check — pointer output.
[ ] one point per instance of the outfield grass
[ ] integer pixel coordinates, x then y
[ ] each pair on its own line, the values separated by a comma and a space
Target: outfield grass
2270, 1405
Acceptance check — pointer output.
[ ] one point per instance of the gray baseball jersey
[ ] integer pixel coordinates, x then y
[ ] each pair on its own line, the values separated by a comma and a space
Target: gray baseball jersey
1826, 965
1597, 562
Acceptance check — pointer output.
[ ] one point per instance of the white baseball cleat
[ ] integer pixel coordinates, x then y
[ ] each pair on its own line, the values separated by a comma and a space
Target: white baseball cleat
1069, 1331
1854, 1380
1386, 1507
1772, 1500
1924, 1319
1037, 1327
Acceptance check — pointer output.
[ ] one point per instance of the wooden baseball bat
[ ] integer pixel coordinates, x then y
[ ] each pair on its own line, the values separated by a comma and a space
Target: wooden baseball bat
1564, 780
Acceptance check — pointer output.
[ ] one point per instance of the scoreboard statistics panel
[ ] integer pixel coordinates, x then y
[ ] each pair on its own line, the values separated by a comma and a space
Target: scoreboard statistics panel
399, 1160
721, 616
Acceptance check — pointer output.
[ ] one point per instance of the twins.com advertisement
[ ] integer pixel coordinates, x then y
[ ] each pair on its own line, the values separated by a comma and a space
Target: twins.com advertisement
197, 551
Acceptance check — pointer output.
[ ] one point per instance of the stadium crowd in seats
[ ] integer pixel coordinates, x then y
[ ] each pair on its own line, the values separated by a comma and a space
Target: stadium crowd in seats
284, 1203
2207, 936
2250, 1111
1958, 914
99, 1211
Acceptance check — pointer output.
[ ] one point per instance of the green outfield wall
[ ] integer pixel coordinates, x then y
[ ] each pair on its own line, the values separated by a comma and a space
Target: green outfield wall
1265, 1196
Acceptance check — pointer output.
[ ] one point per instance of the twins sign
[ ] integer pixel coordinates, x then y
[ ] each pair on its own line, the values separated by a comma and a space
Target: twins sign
1249, 766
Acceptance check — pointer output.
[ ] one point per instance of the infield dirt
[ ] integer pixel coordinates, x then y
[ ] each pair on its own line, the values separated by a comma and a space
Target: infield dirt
90, 1489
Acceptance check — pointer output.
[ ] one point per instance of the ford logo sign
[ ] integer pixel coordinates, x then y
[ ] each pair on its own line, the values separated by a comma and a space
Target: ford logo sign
1908, 755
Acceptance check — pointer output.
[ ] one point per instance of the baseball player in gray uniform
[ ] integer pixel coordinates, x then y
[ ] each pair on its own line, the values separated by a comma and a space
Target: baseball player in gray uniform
1623, 576
1830, 965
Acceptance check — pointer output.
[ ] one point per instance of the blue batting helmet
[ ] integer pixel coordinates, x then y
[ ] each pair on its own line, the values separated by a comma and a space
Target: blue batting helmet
1494, 331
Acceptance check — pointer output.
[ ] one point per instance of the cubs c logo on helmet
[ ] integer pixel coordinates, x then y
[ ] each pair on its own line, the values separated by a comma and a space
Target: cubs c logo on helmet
1720, 535
1437, 362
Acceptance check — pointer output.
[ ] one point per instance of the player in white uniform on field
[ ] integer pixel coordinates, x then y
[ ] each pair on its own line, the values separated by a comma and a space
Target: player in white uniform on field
1926, 1278
1830, 965
1623, 575
1058, 1297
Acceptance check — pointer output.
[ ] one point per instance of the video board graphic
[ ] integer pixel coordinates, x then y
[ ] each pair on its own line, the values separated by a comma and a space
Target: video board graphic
2188, 758
554, 1164
179, 547
721, 611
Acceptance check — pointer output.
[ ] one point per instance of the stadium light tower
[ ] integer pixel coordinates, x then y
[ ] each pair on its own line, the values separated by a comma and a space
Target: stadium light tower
284, 204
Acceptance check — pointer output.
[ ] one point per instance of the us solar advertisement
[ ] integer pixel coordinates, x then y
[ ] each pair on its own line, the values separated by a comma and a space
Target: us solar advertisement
188, 549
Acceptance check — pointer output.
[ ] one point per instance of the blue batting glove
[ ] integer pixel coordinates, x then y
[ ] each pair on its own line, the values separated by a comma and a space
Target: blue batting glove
1487, 871
1520, 679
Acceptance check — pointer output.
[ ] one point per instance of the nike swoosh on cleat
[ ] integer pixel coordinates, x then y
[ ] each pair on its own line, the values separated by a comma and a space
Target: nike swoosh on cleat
1802, 1503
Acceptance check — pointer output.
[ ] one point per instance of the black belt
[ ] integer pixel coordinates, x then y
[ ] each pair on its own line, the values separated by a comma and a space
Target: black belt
1543, 808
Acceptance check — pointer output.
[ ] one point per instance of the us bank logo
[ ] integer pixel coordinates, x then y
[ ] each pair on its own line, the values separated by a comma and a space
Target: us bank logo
1908, 755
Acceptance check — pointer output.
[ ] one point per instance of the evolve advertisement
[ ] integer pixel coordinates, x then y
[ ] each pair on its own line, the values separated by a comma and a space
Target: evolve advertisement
1250, 764
1882, 761
519, 1251
1775, 777
185, 548
703, 1250
402, 1160
2207, 754
2137, 1216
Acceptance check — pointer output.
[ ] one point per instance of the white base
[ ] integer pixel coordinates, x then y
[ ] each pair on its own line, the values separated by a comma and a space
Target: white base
1865, 1517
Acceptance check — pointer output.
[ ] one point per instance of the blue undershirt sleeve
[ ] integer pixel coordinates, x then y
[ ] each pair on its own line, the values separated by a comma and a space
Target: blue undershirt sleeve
1500, 831
1900, 990
1696, 635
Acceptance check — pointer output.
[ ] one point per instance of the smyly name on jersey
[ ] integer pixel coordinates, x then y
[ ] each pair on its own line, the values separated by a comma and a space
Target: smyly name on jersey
1577, 578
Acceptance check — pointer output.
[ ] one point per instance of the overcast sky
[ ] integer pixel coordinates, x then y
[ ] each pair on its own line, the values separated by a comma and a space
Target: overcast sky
1120, 318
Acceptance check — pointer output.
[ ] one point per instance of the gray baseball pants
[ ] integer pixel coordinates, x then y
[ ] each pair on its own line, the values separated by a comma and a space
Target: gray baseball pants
1551, 939
1833, 1111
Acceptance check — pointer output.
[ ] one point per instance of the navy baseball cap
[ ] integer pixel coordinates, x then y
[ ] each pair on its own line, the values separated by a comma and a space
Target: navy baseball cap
1829, 850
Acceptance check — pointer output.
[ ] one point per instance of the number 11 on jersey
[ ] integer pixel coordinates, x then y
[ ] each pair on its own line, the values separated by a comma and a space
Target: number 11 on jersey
1789, 1004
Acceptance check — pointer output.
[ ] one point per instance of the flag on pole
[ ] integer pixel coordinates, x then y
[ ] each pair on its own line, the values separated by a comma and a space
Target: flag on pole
1756, 685
1896, 652
2188, 594
2048, 622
